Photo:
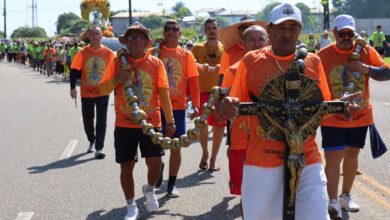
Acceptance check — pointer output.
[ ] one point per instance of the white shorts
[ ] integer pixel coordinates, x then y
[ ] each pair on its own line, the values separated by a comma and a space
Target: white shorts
262, 193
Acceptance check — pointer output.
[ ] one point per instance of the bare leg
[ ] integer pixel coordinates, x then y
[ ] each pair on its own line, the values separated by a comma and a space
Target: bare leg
350, 166
332, 171
127, 180
217, 139
154, 169
203, 138
174, 162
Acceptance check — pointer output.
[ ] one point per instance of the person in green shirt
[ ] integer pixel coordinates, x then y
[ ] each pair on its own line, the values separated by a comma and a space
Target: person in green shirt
311, 43
72, 52
2, 51
378, 40
41, 57
15, 51
34, 54
29, 53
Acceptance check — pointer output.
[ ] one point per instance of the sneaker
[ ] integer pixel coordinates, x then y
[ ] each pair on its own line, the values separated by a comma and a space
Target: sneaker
151, 200
159, 182
334, 210
90, 148
132, 212
347, 203
99, 154
173, 192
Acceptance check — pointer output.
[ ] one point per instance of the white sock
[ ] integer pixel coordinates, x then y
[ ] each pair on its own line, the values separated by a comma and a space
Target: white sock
131, 201
149, 188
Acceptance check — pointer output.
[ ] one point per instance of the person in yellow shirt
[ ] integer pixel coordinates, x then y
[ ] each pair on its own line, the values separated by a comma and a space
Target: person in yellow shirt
208, 56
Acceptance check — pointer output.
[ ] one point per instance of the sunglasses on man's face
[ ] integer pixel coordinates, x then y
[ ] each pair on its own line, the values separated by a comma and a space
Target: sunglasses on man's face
171, 29
136, 38
343, 34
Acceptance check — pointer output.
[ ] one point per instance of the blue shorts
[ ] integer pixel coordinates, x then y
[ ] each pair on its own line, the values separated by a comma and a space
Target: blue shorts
334, 138
180, 122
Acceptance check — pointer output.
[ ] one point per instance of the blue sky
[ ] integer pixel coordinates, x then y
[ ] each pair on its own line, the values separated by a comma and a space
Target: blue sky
19, 11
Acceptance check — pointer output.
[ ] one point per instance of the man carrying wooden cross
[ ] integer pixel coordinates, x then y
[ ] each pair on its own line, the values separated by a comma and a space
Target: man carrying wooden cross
263, 175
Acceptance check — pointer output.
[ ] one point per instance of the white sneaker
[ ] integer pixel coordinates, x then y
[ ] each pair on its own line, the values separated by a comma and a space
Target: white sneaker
132, 212
347, 203
151, 200
173, 192
99, 154
334, 210
90, 148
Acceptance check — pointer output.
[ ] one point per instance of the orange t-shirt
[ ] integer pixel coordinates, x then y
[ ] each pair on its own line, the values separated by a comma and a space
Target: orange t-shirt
211, 55
180, 65
231, 56
49, 54
239, 127
92, 64
149, 76
256, 69
338, 76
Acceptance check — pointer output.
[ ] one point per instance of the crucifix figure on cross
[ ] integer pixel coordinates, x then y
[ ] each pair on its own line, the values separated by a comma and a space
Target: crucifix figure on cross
290, 109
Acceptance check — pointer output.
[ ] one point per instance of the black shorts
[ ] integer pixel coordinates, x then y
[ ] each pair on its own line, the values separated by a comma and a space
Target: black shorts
126, 145
334, 138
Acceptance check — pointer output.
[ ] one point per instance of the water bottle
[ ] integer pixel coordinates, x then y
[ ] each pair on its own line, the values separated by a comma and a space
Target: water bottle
190, 110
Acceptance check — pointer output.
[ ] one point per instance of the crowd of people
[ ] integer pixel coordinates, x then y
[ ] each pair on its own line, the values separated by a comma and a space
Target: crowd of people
166, 77
47, 57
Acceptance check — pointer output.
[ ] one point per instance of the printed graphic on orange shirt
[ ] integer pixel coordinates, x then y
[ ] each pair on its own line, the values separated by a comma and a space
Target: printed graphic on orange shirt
94, 69
142, 86
345, 82
174, 70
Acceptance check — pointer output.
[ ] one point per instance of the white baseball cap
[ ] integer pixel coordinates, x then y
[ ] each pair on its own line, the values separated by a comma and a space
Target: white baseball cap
344, 21
285, 12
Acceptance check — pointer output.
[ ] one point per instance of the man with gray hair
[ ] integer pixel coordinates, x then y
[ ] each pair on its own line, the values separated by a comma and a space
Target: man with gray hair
254, 38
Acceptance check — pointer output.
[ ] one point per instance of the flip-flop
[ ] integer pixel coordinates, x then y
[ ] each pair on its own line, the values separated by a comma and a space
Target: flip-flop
203, 165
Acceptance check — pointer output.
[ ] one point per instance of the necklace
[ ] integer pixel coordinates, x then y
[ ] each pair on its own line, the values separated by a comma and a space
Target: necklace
277, 62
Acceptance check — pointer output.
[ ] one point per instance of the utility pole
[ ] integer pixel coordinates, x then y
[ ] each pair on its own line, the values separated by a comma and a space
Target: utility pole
326, 14
5, 18
130, 14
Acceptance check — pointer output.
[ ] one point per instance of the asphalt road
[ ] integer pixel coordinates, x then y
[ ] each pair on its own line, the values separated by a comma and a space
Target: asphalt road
46, 174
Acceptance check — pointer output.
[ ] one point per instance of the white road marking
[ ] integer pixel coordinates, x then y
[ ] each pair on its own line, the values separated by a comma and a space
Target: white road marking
24, 216
385, 103
69, 149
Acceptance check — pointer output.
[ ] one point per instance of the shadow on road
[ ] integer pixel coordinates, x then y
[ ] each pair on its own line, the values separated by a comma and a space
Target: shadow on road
57, 80
219, 211
195, 179
65, 163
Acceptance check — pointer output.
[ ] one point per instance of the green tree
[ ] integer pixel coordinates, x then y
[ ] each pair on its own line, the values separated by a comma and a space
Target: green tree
29, 32
309, 21
1, 34
363, 8
66, 20
180, 10
263, 15
153, 22
74, 27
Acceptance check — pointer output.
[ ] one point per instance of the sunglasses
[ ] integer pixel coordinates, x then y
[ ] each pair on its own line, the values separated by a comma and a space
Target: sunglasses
171, 29
346, 33
137, 38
